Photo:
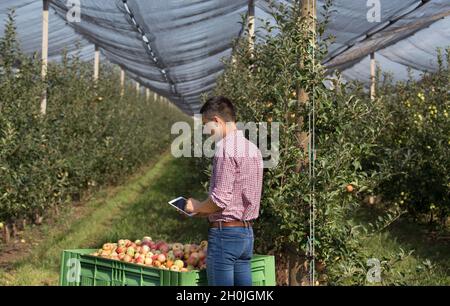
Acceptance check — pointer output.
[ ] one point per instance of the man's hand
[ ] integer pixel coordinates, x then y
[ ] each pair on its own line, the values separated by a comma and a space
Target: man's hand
192, 205
206, 207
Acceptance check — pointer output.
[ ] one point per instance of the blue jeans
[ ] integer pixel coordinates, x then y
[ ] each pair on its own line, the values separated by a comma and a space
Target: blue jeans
230, 250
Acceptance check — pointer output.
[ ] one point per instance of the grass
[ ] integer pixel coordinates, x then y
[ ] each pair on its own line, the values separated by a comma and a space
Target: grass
133, 210
415, 256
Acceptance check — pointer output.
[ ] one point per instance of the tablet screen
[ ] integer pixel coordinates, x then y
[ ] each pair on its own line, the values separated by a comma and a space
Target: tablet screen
180, 203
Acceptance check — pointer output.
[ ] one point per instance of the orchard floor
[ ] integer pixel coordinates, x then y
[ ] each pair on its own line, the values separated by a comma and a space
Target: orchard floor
138, 207
132, 210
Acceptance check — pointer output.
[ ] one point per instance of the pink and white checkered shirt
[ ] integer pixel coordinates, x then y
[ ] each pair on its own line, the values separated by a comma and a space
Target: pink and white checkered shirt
236, 179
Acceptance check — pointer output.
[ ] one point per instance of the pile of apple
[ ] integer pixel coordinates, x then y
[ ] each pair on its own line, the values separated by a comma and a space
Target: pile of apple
169, 256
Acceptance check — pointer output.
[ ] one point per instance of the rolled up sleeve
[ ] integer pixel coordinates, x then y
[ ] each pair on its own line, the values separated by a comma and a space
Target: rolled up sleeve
222, 181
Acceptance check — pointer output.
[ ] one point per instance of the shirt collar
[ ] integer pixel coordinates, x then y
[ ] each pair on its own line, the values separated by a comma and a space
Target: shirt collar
233, 134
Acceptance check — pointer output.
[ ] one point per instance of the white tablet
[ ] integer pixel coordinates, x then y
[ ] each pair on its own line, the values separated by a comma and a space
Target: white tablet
179, 203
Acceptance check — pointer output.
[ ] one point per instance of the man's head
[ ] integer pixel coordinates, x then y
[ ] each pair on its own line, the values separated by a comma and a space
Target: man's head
218, 112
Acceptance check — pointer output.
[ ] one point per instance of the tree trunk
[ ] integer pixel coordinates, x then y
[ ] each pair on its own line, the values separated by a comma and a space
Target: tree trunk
6, 234
38, 219
14, 230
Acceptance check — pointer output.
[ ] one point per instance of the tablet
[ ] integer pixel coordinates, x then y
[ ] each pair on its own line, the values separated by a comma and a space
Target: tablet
179, 203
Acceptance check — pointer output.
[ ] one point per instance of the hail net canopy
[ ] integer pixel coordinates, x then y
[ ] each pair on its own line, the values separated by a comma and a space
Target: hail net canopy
176, 47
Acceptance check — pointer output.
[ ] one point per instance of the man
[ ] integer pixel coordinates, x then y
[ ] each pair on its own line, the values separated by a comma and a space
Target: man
234, 197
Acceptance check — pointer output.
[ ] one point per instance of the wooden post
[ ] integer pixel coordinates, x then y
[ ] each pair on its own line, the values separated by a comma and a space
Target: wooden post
122, 81
154, 97
96, 63
308, 17
251, 24
147, 94
44, 68
372, 76
138, 88
308, 14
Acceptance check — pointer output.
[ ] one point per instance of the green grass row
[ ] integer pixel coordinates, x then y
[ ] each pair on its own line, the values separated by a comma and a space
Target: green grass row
133, 210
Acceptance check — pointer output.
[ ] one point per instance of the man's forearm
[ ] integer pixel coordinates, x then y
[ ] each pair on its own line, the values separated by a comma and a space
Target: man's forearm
207, 207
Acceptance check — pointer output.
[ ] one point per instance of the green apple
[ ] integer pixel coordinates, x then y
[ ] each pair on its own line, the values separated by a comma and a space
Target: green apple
130, 251
179, 263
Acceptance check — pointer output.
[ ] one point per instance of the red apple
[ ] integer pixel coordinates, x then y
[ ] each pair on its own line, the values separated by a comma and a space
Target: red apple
163, 247
161, 258
147, 243
152, 245
138, 249
140, 259
177, 246
156, 263
121, 256
145, 249
120, 249
193, 248
178, 254
127, 258
193, 259
128, 243
122, 243
201, 254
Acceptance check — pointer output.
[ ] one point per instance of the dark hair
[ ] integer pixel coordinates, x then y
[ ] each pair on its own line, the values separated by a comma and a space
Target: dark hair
219, 106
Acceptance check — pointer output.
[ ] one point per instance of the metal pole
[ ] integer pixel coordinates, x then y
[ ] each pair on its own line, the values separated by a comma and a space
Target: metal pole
122, 82
96, 63
372, 76
44, 54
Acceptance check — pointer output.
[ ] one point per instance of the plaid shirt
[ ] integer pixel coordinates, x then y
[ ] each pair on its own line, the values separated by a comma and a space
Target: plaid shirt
236, 179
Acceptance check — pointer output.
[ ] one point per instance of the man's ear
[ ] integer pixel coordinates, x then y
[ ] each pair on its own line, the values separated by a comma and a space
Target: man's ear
218, 120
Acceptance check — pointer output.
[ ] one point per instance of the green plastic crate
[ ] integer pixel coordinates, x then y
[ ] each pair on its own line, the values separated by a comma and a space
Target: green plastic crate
97, 271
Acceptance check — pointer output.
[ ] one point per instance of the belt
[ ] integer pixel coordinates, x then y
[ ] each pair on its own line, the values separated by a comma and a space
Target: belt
220, 224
